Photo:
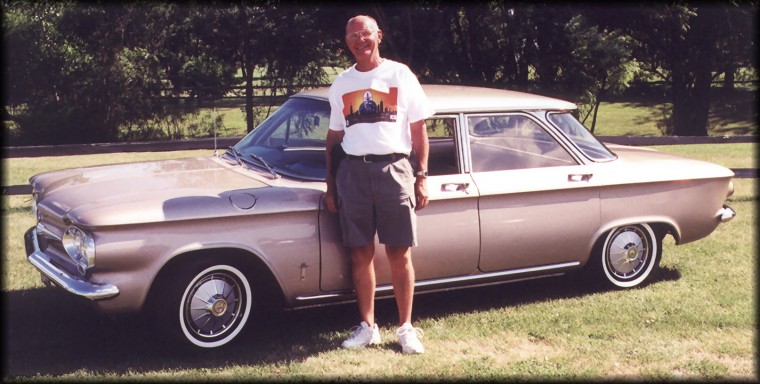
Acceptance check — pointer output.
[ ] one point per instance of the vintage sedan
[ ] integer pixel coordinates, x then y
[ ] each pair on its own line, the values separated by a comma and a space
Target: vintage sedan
518, 189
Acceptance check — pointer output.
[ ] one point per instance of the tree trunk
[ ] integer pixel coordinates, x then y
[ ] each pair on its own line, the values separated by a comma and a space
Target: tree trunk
596, 112
248, 74
729, 76
691, 101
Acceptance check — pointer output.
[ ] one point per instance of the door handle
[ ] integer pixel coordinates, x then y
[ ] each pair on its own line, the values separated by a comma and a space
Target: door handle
579, 177
456, 187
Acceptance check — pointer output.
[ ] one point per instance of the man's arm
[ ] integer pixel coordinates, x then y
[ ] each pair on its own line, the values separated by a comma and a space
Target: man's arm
421, 148
333, 138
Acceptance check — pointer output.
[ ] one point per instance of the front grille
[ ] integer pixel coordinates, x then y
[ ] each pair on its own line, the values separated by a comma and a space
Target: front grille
50, 229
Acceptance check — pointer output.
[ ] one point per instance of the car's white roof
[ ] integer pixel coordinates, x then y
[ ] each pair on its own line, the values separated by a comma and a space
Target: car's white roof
457, 98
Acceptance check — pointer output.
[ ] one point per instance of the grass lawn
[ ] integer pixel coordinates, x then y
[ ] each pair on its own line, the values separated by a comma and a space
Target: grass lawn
641, 119
696, 321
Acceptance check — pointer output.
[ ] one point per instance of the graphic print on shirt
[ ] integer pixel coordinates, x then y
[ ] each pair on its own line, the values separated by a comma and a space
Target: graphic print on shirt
370, 106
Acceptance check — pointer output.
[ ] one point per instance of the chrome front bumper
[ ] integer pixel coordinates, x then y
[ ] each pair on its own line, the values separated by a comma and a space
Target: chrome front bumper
51, 273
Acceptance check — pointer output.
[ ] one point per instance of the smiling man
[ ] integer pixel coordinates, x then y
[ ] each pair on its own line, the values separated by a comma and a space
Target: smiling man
378, 112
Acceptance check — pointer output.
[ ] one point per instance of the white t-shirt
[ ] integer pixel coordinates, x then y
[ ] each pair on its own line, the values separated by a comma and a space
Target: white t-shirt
375, 108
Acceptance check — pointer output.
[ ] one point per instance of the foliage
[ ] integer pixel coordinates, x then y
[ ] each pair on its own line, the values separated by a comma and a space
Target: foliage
687, 45
89, 71
603, 65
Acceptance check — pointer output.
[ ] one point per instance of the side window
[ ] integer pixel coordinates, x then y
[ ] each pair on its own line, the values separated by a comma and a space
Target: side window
442, 159
505, 142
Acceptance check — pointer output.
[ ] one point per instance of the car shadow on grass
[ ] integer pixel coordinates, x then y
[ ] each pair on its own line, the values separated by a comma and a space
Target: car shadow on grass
49, 332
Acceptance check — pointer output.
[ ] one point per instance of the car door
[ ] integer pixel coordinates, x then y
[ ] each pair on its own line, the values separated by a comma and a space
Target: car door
538, 206
447, 229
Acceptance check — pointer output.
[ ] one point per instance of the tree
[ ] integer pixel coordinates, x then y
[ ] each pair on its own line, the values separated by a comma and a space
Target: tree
737, 44
685, 45
603, 65
284, 42
476, 43
34, 54
81, 72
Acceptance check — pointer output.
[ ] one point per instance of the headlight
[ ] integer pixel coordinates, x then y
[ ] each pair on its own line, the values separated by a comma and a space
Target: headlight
81, 248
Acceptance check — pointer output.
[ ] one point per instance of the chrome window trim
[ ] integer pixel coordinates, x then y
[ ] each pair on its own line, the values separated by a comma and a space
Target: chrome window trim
533, 116
582, 154
464, 137
457, 142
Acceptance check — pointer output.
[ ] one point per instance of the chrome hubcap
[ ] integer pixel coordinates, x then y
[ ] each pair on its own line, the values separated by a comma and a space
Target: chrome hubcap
628, 252
213, 305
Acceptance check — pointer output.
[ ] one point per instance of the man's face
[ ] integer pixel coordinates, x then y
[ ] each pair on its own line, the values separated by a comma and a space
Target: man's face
363, 38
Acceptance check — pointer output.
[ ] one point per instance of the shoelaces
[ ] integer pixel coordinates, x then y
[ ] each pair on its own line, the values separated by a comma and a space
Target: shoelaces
404, 330
356, 332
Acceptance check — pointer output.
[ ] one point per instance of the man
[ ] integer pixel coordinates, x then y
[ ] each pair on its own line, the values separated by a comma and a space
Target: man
375, 189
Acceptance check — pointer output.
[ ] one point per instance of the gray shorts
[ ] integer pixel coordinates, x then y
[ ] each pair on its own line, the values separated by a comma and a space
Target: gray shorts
377, 198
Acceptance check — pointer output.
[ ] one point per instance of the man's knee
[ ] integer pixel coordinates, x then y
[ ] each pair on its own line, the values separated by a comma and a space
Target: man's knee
363, 254
398, 254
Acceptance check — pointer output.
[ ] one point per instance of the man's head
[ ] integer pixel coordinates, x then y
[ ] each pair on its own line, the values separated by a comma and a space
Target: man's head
363, 38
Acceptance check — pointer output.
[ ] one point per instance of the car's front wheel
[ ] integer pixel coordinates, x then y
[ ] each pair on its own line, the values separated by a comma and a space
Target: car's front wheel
206, 304
629, 255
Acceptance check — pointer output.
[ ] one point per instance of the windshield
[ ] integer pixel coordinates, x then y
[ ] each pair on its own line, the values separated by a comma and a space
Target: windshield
291, 142
581, 137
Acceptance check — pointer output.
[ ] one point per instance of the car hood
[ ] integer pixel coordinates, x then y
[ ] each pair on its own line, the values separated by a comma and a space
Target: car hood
147, 192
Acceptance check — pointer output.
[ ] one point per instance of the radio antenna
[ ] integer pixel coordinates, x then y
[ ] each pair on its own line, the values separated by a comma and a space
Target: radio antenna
216, 151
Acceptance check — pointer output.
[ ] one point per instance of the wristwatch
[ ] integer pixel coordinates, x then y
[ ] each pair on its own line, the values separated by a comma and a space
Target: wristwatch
423, 173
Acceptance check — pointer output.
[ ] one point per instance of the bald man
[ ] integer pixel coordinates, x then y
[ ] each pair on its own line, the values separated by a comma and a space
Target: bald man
375, 189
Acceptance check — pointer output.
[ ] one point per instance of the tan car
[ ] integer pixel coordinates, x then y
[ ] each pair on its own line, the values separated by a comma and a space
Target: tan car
518, 189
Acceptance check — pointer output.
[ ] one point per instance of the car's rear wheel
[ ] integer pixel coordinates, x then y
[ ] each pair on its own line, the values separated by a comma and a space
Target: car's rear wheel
629, 255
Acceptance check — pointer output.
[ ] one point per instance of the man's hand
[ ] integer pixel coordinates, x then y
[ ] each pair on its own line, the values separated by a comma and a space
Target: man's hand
420, 193
421, 147
332, 204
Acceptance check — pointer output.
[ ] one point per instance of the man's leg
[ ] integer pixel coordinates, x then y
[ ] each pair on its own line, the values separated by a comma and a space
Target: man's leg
402, 276
363, 271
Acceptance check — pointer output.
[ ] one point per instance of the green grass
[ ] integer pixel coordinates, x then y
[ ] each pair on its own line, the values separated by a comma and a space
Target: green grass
696, 321
628, 119
739, 155
641, 119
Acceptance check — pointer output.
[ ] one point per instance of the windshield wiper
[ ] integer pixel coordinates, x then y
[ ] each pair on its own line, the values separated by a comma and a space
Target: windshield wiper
266, 165
236, 154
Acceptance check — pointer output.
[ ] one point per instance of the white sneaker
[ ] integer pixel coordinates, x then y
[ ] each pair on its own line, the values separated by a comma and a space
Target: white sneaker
362, 336
409, 338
